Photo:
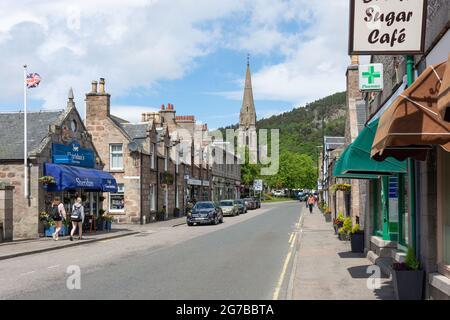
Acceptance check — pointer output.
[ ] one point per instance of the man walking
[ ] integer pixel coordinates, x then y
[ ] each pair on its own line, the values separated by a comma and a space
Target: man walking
311, 200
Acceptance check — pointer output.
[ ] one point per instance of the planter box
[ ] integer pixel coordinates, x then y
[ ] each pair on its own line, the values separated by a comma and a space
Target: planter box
108, 225
101, 225
342, 236
357, 242
327, 217
408, 284
50, 230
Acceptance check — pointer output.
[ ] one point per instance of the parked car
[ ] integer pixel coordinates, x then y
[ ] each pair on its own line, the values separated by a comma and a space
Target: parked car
302, 196
249, 203
241, 205
257, 202
229, 207
204, 212
278, 193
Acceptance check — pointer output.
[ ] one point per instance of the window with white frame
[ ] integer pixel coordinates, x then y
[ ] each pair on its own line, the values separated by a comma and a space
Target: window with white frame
153, 155
116, 156
117, 200
152, 197
166, 159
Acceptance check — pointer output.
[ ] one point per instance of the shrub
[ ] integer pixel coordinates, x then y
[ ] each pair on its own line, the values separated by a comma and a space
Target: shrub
356, 228
411, 261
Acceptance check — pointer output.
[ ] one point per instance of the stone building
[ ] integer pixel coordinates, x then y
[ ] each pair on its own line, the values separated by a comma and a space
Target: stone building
138, 156
406, 205
58, 142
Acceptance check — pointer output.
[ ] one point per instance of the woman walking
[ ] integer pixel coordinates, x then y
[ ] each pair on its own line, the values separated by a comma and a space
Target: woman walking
58, 213
311, 201
77, 218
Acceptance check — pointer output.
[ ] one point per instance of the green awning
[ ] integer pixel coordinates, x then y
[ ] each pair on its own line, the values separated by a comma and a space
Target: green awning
357, 159
337, 171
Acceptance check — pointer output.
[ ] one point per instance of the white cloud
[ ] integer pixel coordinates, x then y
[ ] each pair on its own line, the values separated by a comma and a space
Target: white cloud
130, 113
137, 43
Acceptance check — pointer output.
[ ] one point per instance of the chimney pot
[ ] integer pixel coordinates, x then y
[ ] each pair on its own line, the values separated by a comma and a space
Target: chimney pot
102, 85
94, 87
163, 107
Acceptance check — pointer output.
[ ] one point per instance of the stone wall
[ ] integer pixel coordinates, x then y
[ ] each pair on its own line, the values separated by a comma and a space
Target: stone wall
6, 212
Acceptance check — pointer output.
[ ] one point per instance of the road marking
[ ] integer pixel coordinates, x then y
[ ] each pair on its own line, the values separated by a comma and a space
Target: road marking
282, 275
52, 267
293, 241
290, 238
27, 273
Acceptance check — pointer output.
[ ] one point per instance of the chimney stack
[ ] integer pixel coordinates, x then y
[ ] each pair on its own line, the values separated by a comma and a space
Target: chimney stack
102, 85
94, 87
163, 107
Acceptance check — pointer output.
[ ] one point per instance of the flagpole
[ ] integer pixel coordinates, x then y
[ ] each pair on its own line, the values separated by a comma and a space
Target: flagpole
25, 149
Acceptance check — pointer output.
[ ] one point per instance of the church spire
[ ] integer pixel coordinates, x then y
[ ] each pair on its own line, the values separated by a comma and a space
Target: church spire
247, 117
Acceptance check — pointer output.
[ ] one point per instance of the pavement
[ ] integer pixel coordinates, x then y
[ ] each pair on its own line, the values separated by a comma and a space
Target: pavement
25, 247
326, 269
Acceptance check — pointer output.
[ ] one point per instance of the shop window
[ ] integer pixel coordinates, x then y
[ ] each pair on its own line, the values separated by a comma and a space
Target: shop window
116, 156
152, 155
117, 200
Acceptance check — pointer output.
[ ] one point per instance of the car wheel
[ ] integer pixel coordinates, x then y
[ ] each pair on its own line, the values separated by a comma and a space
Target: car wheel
221, 220
216, 221
190, 224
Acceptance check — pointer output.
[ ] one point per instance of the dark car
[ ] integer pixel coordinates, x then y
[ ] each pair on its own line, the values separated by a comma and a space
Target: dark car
302, 196
250, 203
241, 205
257, 202
205, 212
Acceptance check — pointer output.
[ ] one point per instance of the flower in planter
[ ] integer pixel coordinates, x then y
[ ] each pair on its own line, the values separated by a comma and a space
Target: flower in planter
341, 187
411, 262
47, 180
356, 229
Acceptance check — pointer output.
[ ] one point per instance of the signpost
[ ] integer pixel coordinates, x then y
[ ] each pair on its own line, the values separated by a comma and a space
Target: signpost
387, 27
371, 77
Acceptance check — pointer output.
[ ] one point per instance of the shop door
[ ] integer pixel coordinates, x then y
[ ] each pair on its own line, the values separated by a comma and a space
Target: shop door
389, 199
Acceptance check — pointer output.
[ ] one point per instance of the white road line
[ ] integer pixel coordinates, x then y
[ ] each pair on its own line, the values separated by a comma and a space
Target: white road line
290, 238
55, 266
27, 273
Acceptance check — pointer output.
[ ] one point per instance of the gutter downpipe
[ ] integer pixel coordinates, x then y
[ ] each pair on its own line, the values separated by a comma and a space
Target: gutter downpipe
412, 169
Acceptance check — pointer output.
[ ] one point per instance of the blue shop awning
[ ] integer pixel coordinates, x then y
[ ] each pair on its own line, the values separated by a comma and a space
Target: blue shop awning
70, 177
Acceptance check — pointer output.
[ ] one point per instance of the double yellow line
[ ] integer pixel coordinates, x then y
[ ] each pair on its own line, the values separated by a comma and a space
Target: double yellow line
291, 242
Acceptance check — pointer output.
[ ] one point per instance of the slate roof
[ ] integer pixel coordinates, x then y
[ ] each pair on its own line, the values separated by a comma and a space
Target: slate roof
11, 132
135, 131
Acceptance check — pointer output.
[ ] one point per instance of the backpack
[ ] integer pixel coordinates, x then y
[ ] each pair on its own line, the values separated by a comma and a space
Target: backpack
55, 212
76, 213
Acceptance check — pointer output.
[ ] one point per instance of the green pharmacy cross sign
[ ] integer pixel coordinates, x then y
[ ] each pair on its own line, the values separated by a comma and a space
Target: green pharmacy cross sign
371, 77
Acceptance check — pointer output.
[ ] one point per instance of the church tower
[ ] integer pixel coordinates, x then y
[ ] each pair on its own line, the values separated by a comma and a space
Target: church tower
247, 119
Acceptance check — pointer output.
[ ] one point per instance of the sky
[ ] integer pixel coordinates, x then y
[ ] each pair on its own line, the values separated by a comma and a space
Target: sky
191, 53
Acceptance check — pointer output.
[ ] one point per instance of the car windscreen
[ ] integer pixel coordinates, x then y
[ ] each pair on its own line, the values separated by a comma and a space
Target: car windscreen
240, 201
204, 205
226, 203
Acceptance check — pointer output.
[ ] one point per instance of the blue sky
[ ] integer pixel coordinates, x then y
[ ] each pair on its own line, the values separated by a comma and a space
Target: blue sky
191, 53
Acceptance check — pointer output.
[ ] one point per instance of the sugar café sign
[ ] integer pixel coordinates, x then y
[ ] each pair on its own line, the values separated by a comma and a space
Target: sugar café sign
387, 26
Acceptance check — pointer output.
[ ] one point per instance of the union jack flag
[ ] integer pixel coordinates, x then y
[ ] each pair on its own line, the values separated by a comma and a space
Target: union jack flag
33, 80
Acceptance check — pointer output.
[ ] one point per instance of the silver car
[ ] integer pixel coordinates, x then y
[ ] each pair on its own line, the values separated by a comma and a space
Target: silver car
229, 207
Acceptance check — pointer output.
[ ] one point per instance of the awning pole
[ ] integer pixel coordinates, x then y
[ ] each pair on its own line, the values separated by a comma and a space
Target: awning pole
411, 165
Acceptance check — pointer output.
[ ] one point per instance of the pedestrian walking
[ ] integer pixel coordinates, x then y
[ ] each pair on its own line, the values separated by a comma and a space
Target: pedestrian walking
311, 201
77, 218
58, 213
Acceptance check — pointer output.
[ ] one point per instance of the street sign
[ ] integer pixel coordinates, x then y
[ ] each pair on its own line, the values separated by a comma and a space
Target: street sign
387, 27
258, 185
371, 77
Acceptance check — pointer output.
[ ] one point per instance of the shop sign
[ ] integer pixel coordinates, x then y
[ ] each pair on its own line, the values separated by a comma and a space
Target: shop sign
205, 183
72, 154
371, 77
387, 27
195, 182
258, 185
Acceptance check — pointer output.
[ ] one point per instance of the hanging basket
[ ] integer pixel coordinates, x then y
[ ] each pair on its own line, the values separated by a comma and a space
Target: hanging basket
341, 187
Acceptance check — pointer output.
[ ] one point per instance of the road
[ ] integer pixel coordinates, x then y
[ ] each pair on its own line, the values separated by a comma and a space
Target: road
246, 257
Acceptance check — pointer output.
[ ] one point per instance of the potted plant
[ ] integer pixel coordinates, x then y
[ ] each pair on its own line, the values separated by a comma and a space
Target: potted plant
49, 227
341, 187
408, 278
345, 230
327, 214
338, 222
176, 212
46, 180
101, 222
161, 215
357, 239
108, 222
